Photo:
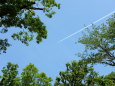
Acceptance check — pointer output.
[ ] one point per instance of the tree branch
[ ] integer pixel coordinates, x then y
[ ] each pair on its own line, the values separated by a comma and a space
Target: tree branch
36, 8
105, 50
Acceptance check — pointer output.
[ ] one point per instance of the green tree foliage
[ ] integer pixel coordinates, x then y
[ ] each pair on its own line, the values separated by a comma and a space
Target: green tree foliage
80, 74
108, 80
111, 76
77, 74
100, 43
24, 14
43, 80
29, 76
3, 45
9, 77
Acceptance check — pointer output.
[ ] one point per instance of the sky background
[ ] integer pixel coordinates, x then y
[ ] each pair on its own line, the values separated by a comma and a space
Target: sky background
50, 56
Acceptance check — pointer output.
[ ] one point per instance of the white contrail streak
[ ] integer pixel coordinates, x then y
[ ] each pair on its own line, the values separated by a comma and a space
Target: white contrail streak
85, 27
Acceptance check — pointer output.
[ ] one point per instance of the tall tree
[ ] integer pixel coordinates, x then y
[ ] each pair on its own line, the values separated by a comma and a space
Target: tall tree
80, 74
100, 43
9, 77
31, 77
24, 14
77, 74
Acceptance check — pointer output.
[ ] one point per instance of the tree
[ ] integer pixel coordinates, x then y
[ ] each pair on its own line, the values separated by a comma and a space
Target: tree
9, 77
3, 45
43, 80
80, 74
100, 43
77, 74
110, 79
23, 14
29, 76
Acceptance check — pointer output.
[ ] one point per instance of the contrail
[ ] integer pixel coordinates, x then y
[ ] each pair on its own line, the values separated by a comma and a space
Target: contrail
85, 27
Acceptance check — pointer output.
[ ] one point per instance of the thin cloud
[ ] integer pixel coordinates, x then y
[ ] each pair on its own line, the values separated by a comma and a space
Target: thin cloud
85, 27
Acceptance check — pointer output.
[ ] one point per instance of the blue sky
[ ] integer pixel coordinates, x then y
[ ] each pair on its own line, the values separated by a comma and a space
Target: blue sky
49, 56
